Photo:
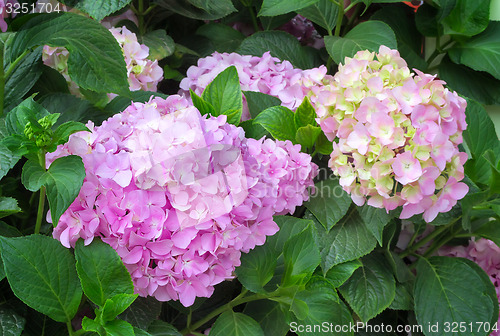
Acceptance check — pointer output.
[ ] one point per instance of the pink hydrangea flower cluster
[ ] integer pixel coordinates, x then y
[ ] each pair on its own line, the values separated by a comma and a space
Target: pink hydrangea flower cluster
264, 74
486, 254
6, 12
180, 196
143, 73
398, 134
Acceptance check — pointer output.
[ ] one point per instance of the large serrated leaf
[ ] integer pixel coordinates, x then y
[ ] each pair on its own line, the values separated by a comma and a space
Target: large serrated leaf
371, 288
279, 7
95, 62
454, 298
235, 324
329, 203
369, 35
41, 272
11, 324
467, 18
224, 94
63, 181
199, 9
301, 256
481, 52
101, 272
279, 121
98, 9
281, 45
346, 241
323, 13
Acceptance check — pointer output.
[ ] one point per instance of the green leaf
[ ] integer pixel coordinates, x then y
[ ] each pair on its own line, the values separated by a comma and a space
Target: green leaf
405, 31
278, 7
305, 114
289, 227
494, 182
454, 299
62, 133
490, 230
22, 79
91, 325
223, 37
280, 44
7, 160
235, 324
371, 288
32, 175
269, 315
101, 272
95, 61
468, 202
323, 306
368, 35
323, 145
116, 305
480, 134
140, 332
63, 181
478, 85
339, 274
224, 94
159, 43
307, 136
329, 203
279, 121
8, 206
258, 102
346, 241
375, 220
97, 9
467, 18
426, 20
252, 130
11, 324
199, 9
481, 52
161, 328
324, 13
41, 272
72, 108
257, 268
301, 255
202, 106
17, 118
404, 297
118, 328
142, 312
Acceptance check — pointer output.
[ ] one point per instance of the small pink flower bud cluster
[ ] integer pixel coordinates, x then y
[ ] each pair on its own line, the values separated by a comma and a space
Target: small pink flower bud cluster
143, 73
264, 74
398, 134
7, 9
486, 254
180, 196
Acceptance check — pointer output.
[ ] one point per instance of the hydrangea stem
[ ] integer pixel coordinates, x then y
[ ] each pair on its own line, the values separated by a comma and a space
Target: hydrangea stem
339, 18
41, 202
240, 299
427, 238
2, 81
